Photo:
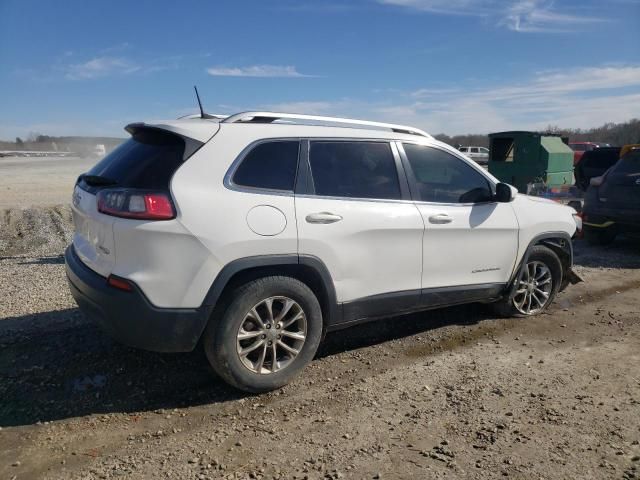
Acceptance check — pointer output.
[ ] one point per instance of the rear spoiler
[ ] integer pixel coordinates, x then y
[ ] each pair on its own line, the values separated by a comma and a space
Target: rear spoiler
194, 137
196, 130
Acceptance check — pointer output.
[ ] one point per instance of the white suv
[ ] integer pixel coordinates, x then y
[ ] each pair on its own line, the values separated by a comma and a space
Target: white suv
257, 233
477, 154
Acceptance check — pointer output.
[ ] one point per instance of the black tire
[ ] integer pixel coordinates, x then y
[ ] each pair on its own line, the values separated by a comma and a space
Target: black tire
505, 307
599, 235
220, 338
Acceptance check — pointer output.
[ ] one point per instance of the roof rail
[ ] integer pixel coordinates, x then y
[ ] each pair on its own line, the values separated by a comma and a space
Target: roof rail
213, 116
269, 117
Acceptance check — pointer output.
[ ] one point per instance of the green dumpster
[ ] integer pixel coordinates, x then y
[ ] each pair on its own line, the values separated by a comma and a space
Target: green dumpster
525, 158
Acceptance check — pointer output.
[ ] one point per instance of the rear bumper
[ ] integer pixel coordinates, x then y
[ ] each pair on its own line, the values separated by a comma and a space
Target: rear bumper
608, 217
128, 316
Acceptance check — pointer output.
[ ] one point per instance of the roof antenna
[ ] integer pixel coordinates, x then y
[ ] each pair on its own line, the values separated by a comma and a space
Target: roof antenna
202, 114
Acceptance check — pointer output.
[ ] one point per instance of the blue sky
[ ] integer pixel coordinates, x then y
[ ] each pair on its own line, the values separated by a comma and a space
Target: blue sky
453, 66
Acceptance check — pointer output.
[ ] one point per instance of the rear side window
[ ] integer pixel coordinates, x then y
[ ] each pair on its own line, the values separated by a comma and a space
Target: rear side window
354, 169
269, 165
444, 178
147, 160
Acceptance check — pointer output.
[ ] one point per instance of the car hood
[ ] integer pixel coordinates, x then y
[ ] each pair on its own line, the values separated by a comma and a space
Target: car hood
547, 201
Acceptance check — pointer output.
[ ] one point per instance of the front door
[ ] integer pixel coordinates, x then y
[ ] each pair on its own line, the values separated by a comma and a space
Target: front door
358, 220
470, 241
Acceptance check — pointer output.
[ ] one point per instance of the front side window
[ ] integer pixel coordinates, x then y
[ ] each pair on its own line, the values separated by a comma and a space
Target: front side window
269, 165
444, 178
354, 169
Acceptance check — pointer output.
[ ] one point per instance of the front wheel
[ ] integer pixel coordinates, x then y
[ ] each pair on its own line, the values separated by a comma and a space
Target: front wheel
270, 330
535, 287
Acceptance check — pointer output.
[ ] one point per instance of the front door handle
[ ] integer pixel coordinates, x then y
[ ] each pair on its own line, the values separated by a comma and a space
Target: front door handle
323, 218
440, 218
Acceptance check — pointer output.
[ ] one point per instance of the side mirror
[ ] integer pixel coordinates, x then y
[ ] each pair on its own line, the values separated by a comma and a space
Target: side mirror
505, 193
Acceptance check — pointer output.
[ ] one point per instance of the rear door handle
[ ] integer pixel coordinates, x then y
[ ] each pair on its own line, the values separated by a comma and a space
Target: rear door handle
323, 218
440, 218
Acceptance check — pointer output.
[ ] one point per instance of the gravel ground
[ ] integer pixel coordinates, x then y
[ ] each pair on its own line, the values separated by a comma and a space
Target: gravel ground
453, 393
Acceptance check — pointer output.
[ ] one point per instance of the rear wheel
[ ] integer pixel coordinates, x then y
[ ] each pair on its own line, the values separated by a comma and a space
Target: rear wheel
599, 235
269, 331
535, 287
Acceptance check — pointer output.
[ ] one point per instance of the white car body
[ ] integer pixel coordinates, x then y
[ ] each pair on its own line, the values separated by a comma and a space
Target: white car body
369, 248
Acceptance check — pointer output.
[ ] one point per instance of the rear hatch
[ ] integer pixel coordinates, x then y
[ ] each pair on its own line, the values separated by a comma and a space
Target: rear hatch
144, 163
621, 187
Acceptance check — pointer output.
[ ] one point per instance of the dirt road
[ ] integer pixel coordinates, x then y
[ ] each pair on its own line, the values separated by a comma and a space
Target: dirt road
453, 393
29, 181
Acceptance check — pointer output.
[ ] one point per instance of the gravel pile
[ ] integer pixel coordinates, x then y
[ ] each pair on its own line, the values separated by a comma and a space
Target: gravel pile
35, 231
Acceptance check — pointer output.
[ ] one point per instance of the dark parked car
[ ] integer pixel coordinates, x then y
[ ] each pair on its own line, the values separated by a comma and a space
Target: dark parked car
612, 202
594, 163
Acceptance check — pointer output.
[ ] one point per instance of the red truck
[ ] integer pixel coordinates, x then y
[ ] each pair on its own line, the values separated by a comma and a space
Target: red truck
580, 147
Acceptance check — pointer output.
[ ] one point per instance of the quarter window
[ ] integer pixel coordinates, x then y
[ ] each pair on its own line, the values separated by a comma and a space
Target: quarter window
354, 169
270, 165
444, 178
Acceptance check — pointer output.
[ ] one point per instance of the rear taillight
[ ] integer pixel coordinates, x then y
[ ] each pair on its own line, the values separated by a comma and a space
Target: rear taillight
137, 204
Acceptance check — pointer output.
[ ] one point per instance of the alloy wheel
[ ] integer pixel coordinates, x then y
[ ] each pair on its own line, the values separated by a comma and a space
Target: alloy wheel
534, 288
271, 335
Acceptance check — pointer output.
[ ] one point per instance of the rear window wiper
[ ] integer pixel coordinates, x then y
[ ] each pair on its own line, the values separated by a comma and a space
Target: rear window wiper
96, 180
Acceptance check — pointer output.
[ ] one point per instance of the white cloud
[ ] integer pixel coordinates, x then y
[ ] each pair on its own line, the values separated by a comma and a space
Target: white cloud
576, 98
581, 97
100, 67
517, 15
256, 71
310, 108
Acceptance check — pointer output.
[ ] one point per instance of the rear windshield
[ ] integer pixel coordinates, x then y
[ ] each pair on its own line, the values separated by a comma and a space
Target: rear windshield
147, 160
601, 157
629, 164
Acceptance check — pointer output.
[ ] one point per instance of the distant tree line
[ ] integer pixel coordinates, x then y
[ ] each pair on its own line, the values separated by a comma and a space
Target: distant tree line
612, 133
81, 145
616, 134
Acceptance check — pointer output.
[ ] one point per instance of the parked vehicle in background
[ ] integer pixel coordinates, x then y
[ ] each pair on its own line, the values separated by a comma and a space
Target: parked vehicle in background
301, 225
628, 148
580, 147
478, 154
99, 151
612, 201
594, 163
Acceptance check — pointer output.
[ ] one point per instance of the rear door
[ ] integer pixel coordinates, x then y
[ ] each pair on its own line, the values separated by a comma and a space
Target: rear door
470, 241
358, 219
